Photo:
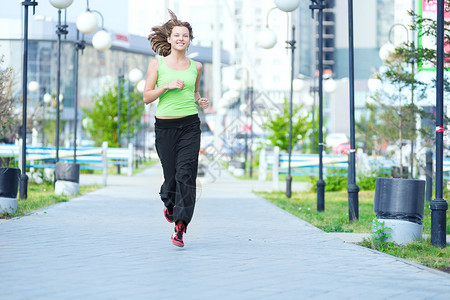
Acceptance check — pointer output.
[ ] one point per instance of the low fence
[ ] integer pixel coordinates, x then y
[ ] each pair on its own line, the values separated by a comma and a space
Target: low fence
301, 164
308, 164
89, 158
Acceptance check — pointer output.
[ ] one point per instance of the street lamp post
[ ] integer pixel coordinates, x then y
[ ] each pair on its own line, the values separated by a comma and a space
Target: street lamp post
142, 128
86, 24
247, 109
119, 108
60, 30
79, 45
135, 76
290, 45
352, 188
269, 41
320, 5
250, 91
313, 90
439, 206
23, 193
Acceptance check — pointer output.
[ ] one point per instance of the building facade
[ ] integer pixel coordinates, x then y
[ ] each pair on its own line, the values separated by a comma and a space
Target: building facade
96, 69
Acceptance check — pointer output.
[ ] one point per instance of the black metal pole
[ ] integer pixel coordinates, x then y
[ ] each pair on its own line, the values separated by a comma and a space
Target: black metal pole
352, 188
411, 173
429, 175
79, 45
119, 108
247, 114
144, 131
127, 90
439, 206
136, 141
290, 45
412, 95
61, 29
411, 158
319, 5
23, 191
251, 130
313, 136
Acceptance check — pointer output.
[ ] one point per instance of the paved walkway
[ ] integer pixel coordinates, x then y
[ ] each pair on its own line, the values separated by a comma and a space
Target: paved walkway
115, 244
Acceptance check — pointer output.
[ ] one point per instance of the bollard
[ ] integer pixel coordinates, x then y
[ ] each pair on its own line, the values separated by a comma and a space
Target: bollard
439, 209
105, 162
275, 168
262, 170
429, 175
130, 159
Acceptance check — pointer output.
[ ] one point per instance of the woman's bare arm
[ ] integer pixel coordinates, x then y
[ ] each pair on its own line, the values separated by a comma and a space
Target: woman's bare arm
151, 92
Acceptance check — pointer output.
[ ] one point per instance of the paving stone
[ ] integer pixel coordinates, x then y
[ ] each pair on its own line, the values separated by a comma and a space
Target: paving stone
114, 243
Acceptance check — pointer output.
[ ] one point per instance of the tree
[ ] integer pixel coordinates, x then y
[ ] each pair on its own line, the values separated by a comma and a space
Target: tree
279, 127
104, 116
9, 118
306, 146
392, 107
366, 132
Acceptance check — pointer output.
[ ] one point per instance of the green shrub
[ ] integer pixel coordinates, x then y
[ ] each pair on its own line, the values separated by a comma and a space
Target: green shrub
336, 180
367, 183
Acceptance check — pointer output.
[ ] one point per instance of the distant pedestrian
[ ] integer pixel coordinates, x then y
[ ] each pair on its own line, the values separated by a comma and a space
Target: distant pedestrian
174, 79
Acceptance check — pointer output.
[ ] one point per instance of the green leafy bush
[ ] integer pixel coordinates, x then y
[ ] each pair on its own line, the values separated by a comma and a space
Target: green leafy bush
367, 182
335, 180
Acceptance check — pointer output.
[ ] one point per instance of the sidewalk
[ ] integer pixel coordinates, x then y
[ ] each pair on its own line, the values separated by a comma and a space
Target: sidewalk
115, 244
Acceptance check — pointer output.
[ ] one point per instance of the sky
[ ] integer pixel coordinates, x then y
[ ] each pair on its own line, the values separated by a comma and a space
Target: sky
115, 16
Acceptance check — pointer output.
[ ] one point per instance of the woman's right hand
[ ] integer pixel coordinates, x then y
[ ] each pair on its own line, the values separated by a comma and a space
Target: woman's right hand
176, 84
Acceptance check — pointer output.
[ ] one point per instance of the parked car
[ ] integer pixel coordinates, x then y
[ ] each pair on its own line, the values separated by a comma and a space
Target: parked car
343, 148
334, 139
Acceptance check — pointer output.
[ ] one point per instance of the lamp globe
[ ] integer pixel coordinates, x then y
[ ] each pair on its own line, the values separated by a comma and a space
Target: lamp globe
141, 86
87, 22
135, 75
102, 40
60, 4
267, 38
33, 86
287, 5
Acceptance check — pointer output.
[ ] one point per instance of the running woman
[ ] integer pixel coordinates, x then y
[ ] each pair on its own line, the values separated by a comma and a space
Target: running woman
174, 79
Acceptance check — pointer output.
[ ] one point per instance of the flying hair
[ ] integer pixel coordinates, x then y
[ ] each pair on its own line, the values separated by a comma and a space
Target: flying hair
158, 36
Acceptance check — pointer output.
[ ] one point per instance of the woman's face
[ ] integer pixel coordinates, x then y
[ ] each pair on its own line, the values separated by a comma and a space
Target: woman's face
179, 39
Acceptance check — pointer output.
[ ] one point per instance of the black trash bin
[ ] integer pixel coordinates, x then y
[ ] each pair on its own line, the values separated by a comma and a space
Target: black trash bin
400, 204
398, 198
67, 172
67, 177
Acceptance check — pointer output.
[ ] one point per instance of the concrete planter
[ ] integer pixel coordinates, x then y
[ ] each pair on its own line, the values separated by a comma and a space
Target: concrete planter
67, 178
9, 187
399, 203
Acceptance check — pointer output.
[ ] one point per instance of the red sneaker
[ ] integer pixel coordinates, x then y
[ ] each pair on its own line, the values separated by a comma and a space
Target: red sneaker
177, 237
168, 215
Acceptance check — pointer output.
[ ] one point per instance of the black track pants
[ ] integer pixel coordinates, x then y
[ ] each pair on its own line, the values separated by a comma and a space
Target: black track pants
178, 144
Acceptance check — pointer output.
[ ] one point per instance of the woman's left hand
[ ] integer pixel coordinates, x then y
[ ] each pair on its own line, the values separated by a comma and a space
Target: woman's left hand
203, 103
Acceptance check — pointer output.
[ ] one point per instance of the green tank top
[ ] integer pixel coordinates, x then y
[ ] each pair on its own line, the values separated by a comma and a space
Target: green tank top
176, 103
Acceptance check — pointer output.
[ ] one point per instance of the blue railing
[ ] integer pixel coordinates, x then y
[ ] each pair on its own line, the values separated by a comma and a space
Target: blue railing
89, 158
